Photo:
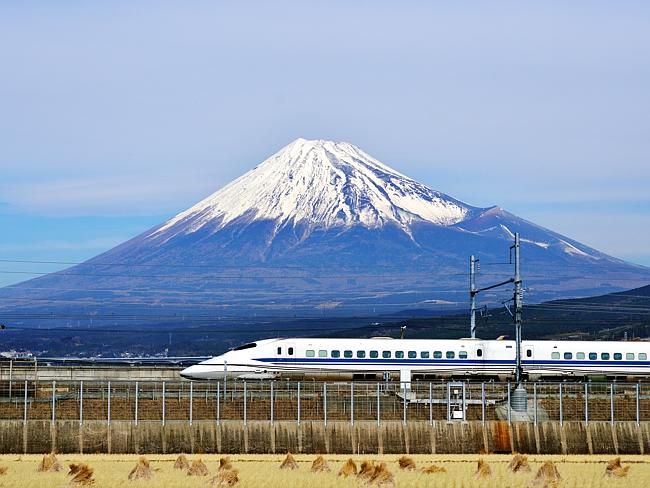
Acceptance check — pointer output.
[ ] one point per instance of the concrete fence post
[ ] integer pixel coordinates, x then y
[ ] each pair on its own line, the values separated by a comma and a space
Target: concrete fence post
191, 401
561, 409
163, 403
108, 417
324, 403
25, 405
509, 406
218, 402
351, 403
586, 403
535, 403
430, 404
272, 402
378, 405
404, 402
638, 406
245, 395
483, 403
299, 403
135, 416
81, 402
53, 401
611, 403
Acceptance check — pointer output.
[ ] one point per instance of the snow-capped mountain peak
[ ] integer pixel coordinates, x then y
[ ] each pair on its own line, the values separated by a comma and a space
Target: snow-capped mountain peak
324, 184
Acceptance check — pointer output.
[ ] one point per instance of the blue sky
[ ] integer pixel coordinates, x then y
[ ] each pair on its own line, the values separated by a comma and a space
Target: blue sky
117, 115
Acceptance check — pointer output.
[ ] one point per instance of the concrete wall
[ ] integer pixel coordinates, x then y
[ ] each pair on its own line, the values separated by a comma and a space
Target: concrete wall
314, 437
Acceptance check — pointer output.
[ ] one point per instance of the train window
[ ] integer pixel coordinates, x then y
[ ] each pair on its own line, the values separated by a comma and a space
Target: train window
279, 351
529, 353
555, 355
437, 354
580, 355
479, 353
385, 354
568, 355
629, 356
374, 354
361, 354
290, 351
450, 354
399, 354
604, 355
245, 346
424, 354
618, 356
413, 354
643, 356
335, 354
322, 353
347, 354
462, 355
593, 356
310, 353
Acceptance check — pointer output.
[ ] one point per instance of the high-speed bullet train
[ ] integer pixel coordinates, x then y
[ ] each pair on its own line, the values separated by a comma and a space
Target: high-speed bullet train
408, 359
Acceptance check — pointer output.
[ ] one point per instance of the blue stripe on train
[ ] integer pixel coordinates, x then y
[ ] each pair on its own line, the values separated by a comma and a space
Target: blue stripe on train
458, 362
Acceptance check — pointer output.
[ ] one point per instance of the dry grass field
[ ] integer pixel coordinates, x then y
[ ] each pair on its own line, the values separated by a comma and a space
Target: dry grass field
263, 471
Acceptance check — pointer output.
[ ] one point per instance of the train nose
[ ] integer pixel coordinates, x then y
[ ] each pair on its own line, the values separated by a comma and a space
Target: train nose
197, 372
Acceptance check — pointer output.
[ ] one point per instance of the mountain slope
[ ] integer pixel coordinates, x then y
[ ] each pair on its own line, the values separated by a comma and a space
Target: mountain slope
319, 226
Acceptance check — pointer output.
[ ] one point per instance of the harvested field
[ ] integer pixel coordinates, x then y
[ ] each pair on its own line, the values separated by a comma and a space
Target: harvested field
113, 470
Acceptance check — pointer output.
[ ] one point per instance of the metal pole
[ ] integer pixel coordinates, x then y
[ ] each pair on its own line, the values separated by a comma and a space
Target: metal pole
137, 394
351, 403
638, 409
272, 402
299, 403
11, 368
218, 403
25, 405
378, 406
518, 307
611, 403
448, 403
108, 418
191, 401
81, 402
404, 394
53, 401
325, 403
430, 404
586, 403
163, 403
561, 416
225, 379
245, 402
535, 402
472, 296
483, 403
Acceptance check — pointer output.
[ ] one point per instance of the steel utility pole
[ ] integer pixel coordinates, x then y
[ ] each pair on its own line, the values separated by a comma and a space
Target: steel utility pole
472, 296
518, 307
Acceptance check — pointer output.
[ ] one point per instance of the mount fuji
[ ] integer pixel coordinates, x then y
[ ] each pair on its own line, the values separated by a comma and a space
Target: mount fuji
322, 225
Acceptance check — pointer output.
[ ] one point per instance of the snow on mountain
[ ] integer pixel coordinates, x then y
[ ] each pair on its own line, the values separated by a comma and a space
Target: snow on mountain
322, 184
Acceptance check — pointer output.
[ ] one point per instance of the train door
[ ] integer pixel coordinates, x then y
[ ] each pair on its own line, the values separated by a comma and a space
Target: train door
528, 356
479, 356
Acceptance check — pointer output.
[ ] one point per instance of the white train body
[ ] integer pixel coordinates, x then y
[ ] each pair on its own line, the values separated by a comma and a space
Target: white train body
471, 358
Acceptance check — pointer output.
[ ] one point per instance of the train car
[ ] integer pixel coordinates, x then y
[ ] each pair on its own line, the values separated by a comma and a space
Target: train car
408, 359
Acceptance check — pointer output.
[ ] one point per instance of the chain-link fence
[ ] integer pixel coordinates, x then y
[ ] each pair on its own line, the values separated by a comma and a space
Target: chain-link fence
323, 401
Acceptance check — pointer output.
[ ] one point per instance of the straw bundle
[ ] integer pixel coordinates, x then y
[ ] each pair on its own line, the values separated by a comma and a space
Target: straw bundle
83, 475
142, 470
615, 470
348, 469
49, 463
319, 465
406, 462
289, 462
519, 464
483, 470
181, 463
198, 468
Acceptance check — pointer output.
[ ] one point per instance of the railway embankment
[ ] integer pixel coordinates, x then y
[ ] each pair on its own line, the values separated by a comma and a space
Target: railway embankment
311, 437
